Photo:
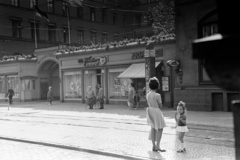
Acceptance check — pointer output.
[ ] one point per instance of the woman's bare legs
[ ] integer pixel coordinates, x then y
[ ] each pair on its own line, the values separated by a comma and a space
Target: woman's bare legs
159, 136
153, 134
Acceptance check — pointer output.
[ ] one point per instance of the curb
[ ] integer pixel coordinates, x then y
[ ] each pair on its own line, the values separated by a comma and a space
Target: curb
109, 154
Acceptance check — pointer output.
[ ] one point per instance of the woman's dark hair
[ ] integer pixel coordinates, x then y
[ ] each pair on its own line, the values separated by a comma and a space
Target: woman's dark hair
153, 83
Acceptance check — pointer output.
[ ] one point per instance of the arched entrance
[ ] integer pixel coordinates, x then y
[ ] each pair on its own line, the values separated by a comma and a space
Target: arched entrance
48, 73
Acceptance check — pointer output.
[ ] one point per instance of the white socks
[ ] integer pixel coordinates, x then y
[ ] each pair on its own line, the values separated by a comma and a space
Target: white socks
182, 145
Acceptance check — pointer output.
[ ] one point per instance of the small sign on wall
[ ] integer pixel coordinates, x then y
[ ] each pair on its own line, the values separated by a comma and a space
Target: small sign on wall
165, 84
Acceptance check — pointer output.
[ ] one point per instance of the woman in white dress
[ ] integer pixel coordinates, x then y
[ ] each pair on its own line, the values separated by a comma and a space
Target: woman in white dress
154, 115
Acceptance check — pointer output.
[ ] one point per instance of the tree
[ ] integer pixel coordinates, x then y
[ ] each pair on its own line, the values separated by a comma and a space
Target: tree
162, 18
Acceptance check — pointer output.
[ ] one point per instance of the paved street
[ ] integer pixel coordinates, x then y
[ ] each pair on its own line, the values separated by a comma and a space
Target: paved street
115, 130
11, 150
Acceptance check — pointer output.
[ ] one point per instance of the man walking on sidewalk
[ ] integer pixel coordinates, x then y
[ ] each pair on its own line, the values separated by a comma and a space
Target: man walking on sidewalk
10, 95
50, 95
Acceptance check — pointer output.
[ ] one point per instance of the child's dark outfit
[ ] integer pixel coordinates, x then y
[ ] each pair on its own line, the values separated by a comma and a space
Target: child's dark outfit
181, 127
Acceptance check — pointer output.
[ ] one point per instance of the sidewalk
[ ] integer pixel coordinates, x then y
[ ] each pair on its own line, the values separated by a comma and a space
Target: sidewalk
199, 119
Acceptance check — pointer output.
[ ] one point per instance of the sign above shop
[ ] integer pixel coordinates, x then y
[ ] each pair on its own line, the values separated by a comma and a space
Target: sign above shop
140, 54
93, 61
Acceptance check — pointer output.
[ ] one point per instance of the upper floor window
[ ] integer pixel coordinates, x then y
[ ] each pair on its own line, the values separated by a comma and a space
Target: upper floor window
104, 38
15, 2
33, 3
92, 14
116, 3
115, 18
81, 37
34, 30
138, 20
52, 33
16, 28
65, 8
80, 12
124, 20
50, 6
93, 37
65, 34
104, 16
115, 38
207, 26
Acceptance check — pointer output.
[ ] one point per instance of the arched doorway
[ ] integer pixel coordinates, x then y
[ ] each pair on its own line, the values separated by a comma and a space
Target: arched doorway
48, 73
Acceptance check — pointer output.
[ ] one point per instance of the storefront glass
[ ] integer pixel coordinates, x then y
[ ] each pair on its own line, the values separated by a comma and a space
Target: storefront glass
72, 85
118, 87
2, 87
13, 83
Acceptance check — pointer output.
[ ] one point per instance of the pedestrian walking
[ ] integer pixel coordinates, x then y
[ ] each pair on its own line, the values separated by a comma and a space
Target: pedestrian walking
180, 117
100, 97
131, 96
154, 115
136, 100
90, 97
50, 95
10, 95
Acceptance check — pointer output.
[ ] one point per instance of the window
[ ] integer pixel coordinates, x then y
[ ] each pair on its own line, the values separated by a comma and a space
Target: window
33, 3
52, 33
93, 37
80, 12
124, 20
104, 38
16, 28
65, 8
2, 87
115, 18
15, 3
81, 37
104, 16
50, 6
65, 34
12, 82
138, 20
118, 87
115, 38
92, 14
33, 84
116, 3
72, 85
104, 1
207, 26
33, 30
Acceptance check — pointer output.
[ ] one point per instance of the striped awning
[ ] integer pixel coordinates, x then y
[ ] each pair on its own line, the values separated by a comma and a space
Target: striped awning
135, 71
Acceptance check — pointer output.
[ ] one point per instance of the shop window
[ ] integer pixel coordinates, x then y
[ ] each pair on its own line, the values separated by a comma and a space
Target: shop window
2, 87
118, 88
13, 83
72, 85
33, 84
207, 26
27, 84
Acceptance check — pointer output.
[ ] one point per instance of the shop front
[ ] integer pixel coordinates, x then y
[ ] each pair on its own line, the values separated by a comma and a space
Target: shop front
114, 69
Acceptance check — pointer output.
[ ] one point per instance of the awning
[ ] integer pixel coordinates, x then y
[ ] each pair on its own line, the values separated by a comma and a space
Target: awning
135, 71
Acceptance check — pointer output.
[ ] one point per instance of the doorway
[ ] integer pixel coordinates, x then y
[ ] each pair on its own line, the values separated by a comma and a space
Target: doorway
43, 88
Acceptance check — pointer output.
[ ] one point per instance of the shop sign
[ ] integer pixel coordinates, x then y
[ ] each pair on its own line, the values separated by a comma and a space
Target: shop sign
45, 56
140, 54
93, 61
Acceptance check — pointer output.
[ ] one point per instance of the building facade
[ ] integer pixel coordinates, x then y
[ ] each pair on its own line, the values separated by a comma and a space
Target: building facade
24, 34
197, 19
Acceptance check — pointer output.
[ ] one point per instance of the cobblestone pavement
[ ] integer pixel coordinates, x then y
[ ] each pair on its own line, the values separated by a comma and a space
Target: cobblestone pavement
11, 150
119, 131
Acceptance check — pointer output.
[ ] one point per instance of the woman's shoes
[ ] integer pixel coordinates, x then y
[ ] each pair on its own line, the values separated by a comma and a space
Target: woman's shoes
181, 150
154, 149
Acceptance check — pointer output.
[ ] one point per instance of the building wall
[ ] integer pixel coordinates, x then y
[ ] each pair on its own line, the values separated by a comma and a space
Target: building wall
204, 97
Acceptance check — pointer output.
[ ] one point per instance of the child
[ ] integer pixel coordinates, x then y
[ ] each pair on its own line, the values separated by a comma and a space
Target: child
137, 100
180, 117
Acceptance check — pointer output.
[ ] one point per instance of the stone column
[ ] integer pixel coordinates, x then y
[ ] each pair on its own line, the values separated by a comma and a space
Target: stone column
150, 72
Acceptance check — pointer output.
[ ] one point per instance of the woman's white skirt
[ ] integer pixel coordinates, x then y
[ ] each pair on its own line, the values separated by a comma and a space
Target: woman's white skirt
182, 129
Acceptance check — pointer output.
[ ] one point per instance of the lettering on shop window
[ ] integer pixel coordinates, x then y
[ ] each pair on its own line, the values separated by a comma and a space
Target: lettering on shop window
140, 54
91, 61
